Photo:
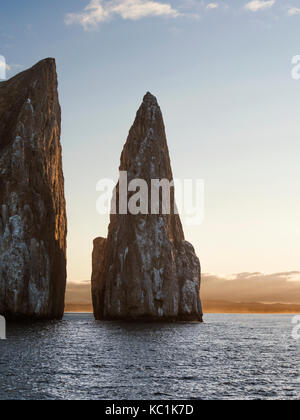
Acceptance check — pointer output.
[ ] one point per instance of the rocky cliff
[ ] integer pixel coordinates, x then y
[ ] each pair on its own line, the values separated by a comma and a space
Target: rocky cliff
145, 270
33, 222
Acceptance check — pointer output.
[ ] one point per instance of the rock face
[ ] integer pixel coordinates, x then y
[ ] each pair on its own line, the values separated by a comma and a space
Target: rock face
33, 222
145, 270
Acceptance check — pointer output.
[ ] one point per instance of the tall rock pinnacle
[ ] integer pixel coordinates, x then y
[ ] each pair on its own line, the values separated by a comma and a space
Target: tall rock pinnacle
33, 222
145, 270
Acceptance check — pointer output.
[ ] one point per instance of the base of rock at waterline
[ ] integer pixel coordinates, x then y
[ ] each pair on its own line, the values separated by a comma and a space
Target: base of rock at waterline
21, 318
195, 318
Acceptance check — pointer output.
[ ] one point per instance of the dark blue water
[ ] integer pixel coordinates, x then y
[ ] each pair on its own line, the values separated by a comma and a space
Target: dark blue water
228, 357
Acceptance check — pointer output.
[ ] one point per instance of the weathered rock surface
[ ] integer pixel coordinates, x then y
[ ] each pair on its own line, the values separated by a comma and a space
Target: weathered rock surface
33, 223
145, 270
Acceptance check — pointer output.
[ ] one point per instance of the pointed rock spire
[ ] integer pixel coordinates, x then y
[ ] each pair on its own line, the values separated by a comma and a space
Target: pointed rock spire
32, 203
145, 270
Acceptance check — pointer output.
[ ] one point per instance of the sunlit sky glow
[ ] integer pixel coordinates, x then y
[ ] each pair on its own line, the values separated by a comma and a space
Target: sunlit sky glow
221, 71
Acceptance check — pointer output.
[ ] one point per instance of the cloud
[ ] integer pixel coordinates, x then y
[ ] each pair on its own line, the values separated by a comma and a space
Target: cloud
281, 287
257, 5
211, 6
3, 64
98, 11
78, 293
14, 67
8, 69
294, 11
253, 287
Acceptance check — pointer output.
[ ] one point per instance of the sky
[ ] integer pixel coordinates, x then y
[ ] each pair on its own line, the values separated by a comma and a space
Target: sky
222, 73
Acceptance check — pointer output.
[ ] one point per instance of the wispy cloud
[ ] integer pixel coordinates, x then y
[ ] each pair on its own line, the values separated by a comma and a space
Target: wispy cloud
243, 287
253, 287
3, 67
3, 64
101, 11
257, 5
294, 11
212, 6
98, 11
12, 67
8, 69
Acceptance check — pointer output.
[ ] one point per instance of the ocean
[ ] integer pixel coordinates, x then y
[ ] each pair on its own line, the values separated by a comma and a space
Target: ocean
227, 357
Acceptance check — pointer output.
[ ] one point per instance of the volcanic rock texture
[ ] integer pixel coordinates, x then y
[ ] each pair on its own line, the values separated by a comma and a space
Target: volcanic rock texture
33, 223
145, 270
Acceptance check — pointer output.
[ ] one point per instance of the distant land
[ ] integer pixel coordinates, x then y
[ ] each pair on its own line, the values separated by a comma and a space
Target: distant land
226, 307
243, 293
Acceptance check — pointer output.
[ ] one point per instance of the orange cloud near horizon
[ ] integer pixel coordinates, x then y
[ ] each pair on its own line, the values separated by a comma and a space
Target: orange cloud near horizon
243, 292
281, 287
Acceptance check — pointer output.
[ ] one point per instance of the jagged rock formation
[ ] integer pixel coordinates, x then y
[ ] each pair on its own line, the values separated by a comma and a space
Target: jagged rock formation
145, 270
32, 204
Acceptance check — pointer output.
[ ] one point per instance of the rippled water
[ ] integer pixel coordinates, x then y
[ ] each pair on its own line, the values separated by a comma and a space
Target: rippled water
230, 356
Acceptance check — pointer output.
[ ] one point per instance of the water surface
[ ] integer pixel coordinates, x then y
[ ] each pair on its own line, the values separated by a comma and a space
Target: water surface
227, 357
